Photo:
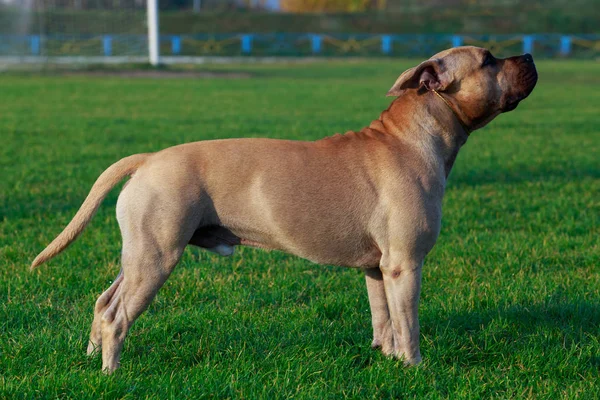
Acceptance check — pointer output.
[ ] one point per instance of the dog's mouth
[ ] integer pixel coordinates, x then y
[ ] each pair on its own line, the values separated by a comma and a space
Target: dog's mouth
512, 103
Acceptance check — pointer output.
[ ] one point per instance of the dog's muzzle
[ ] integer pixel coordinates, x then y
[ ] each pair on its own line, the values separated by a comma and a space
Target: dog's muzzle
526, 79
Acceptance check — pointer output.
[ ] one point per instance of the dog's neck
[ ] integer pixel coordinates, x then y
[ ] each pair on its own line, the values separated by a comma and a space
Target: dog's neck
419, 118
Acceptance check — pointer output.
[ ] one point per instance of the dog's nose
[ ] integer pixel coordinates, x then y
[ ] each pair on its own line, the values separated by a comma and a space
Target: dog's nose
528, 58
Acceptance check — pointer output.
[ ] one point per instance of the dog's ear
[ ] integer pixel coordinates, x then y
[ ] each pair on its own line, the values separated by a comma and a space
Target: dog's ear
430, 74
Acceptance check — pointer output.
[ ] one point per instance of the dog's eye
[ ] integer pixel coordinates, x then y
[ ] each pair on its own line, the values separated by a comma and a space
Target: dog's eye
488, 60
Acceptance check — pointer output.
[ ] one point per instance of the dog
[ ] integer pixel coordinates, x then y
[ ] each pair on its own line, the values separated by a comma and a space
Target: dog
370, 199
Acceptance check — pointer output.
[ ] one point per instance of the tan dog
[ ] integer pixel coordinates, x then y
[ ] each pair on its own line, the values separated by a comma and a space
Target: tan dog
370, 199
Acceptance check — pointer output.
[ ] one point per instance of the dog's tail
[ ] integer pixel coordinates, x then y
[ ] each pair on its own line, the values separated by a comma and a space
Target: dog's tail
105, 182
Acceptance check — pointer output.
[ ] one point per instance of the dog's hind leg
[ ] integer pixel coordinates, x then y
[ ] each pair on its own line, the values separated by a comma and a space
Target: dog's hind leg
155, 229
101, 305
144, 272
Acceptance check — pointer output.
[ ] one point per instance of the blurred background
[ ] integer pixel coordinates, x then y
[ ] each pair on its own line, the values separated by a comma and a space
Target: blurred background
117, 30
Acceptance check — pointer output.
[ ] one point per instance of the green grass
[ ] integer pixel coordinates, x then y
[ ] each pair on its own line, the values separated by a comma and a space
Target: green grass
510, 305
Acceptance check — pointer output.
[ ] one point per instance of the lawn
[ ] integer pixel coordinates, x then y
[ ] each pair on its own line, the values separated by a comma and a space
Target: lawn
510, 304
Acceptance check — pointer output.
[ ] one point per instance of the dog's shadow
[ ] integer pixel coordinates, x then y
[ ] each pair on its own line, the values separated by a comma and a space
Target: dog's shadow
517, 334
567, 330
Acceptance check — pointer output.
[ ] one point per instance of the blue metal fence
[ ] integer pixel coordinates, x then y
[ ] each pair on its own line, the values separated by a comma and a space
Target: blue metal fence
285, 44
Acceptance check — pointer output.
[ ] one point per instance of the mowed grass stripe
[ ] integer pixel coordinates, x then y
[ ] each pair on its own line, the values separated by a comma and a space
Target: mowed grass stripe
511, 293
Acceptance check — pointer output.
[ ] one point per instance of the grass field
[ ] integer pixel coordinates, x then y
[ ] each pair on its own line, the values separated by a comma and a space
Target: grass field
510, 306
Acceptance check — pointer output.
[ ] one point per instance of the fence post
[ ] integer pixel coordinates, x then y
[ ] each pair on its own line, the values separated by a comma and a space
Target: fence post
107, 45
35, 45
457, 41
527, 44
246, 44
153, 32
565, 45
316, 43
175, 44
386, 44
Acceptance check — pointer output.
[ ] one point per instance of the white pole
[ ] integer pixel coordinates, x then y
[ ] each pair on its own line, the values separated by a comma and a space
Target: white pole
152, 12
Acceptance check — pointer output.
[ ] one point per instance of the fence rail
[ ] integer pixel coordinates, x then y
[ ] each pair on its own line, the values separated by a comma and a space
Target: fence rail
285, 44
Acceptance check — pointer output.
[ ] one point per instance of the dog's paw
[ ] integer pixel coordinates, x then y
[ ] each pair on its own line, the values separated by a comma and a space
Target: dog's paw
407, 358
383, 339
93, 348
409, 362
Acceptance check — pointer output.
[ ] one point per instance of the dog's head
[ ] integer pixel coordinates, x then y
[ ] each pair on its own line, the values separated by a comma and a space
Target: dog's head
477, 85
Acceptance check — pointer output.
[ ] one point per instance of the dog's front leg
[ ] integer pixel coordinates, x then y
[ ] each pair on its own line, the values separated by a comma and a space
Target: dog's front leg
380, 314
402, 283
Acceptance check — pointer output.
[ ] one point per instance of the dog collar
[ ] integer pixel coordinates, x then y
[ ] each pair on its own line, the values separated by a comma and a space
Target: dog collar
453, 112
